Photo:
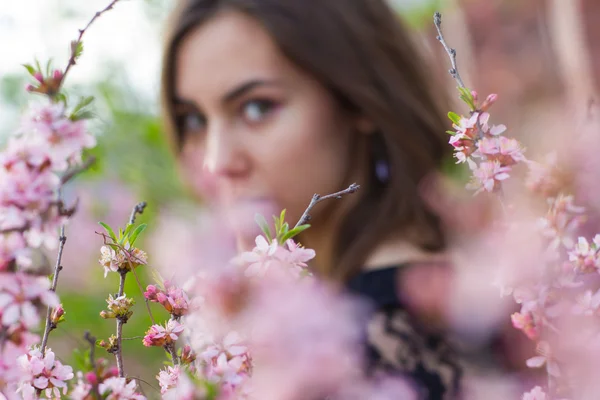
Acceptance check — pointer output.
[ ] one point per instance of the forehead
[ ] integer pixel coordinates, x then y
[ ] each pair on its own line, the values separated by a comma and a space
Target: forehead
227, 50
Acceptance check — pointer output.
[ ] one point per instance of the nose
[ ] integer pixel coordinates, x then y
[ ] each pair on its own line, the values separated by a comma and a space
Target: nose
224, 155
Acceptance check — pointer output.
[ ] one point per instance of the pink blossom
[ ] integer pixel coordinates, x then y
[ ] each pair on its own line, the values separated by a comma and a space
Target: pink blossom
535, 394
28, 189
12, 246
260, 257
158, 335
112, 260
168, 378
296, 255
44, 372
496, 130
82, 389
378, 388
11, 350
487, 175
588, 303
295, 326
185, 389
525, 323
119, 389
510, 148
488, 146
172, 298
65, 139
19, 294
546, 358
21, 151
584, 257
227, 362
561, 222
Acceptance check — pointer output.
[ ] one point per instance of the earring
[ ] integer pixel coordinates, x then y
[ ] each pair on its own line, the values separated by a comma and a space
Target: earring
380, 158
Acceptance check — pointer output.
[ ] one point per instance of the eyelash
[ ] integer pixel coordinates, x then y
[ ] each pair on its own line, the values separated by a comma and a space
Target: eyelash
266, 106
184, 122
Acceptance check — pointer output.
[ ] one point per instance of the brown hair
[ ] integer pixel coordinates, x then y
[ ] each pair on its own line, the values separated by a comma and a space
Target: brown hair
362, 53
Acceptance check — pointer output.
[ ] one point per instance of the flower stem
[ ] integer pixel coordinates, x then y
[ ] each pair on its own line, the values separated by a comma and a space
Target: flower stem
120, 322
57, 268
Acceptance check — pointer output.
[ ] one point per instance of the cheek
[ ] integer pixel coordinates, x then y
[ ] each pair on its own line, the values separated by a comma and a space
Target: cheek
309, 154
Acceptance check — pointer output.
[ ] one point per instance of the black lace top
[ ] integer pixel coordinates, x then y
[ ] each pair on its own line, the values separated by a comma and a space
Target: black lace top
397, 345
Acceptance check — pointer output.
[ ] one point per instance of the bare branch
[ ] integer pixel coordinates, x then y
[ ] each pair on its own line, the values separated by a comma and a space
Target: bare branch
70, 174
437, 20
138, 209
73, 59
316, 199
57, 268
92, 341
120, 322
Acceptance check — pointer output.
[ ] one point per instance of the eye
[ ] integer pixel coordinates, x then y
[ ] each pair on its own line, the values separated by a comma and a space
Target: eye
256, 110
191, 122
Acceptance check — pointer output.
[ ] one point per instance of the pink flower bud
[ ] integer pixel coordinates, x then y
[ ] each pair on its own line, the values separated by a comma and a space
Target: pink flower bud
151, 292
57, 75
91, 378
491, 99
39, 77
475, 95
112, 371
29, 87
57, 314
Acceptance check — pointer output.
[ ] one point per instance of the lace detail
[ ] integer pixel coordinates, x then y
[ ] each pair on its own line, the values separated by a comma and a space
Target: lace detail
396, 344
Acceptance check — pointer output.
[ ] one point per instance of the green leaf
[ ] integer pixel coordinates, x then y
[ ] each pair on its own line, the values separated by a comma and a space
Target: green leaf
454, 117
264, 226
451, 133
84, 102
83, 114
76, 48
30, 69
37, 65
48, 67
294, 232
158, 278
128, 229
135, 233
467, 97
82, 360
61, 97
109, 230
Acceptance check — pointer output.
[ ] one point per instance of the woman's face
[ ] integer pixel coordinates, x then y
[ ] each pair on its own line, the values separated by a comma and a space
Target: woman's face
266, 135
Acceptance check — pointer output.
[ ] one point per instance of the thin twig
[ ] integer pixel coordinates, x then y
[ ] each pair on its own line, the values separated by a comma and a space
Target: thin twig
316, 199
57, 268
92, 341
138, 209
133, 338
437, 20
119, 352
145, 299
70, 174
73, 58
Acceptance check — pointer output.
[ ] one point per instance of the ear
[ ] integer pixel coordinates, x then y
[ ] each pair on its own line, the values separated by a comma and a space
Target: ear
364, 125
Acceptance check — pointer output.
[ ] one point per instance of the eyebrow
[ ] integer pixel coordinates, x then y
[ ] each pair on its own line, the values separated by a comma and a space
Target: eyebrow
232, 94
246, 87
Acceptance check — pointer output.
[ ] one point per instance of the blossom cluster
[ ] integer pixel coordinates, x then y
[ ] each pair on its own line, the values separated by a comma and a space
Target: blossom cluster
32, 167
489, 154
558, 294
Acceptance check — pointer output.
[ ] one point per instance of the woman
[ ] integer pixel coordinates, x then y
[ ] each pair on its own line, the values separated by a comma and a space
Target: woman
281, 99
